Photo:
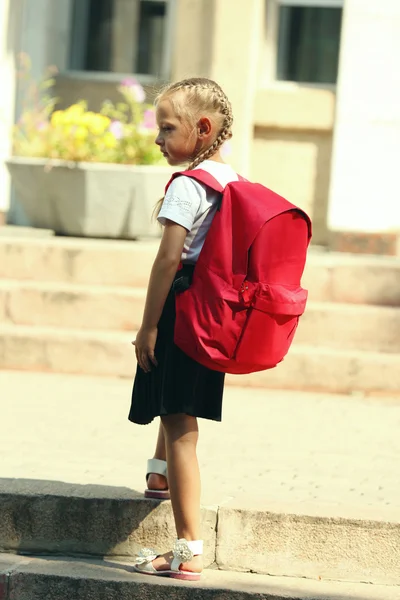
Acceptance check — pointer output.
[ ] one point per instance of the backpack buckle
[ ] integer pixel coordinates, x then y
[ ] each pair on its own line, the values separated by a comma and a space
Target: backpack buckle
244, 290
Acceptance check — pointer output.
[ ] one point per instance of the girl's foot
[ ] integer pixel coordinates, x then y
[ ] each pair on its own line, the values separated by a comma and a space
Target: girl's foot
163, 563
184, 562
156, 477
157, 482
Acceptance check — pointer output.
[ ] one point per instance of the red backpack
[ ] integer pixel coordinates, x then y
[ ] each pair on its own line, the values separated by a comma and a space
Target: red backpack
241, 311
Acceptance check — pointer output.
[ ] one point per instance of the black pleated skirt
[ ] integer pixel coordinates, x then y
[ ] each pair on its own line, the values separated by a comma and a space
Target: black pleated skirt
179, 384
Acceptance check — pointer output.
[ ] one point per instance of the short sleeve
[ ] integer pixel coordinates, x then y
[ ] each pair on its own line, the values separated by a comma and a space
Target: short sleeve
182, 202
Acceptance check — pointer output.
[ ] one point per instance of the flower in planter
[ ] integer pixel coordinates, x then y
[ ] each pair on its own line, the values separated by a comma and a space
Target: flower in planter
135, 89
119, 133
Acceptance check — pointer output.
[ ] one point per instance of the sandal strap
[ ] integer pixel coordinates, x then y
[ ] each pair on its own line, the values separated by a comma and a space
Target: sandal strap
196, 547
157, 466
184, 552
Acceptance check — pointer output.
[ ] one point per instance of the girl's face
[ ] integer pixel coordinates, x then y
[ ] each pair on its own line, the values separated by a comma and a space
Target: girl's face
179, 141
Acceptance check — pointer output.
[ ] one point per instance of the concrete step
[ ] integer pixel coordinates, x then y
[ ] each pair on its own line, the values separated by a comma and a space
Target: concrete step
90, 352
46, 578
335, 277
67, 305
49, 304
54, 518
350, 326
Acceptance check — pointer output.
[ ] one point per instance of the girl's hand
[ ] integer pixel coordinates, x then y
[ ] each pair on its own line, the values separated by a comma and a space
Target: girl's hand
144, 347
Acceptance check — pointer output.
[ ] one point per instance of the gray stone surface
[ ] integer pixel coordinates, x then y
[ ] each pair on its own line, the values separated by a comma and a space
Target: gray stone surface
284, 468
114, 308
330, 277
45, 579
332, 370
296, 545
8, 564
93, 520
339, 452
98, 353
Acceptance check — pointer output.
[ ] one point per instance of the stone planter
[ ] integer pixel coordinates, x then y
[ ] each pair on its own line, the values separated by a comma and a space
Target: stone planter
89, 199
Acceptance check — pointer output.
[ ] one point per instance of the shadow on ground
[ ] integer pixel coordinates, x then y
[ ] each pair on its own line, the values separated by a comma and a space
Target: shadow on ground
71, 520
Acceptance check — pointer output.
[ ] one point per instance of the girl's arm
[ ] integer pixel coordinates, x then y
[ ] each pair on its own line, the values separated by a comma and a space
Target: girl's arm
161, 278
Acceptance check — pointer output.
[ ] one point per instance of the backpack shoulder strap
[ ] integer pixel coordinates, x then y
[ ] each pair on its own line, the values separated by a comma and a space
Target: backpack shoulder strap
201, 176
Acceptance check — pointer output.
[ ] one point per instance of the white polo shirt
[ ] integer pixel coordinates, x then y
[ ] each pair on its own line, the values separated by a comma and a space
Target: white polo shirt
193, 205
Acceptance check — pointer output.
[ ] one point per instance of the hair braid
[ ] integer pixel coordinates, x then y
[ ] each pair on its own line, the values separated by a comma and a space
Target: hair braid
216, 100
207, 97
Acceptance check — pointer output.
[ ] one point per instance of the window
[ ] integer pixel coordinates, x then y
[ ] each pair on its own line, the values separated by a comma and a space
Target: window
308, 40
120, 36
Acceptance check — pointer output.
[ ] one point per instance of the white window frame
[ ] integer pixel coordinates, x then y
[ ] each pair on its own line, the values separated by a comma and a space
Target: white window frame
166, 61
270, 54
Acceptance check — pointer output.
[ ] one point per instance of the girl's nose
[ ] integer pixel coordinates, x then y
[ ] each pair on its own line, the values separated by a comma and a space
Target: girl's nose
159, 140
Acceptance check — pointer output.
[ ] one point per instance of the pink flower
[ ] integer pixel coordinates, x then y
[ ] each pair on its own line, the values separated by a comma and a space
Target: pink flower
117, 129
149, 119
134, 88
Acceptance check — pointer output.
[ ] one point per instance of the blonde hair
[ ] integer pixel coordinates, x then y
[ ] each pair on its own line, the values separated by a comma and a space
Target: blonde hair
203, 97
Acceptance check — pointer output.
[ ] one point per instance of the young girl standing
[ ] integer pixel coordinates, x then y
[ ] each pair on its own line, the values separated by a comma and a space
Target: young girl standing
194, 118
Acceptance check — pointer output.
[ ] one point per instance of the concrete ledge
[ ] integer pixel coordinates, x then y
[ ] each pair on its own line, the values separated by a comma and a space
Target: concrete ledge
71, 306
44, 517
387, 243
77, 260
8, 564
356, 279
61, 519
88, 352
49, 579
80, 307
299, 545
318, 368
11, 231
335, 277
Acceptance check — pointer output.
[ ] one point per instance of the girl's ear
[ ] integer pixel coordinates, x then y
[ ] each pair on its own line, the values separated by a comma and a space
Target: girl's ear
204, 127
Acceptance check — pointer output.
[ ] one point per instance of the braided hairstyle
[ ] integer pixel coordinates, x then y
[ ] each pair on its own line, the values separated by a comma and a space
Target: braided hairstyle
203, 96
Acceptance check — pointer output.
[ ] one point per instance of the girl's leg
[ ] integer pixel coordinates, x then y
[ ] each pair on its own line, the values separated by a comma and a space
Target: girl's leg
181, 435
155, 481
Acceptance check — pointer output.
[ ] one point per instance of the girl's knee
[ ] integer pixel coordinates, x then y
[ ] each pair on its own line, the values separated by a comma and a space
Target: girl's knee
179, 426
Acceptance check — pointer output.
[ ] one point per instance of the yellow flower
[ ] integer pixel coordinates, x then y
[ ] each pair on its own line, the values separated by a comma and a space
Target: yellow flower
99, 124
75, 109
87, 118
95, 122
57, 118
73, 114
67, 130
80, 133
109, 140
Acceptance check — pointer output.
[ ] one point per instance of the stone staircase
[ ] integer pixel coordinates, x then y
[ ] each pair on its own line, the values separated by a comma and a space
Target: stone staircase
80, 541
73, 305
73, 579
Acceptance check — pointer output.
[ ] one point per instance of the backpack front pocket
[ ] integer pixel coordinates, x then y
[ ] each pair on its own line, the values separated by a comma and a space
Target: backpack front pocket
271, 323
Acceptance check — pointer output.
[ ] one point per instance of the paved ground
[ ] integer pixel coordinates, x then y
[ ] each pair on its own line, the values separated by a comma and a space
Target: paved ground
312, 451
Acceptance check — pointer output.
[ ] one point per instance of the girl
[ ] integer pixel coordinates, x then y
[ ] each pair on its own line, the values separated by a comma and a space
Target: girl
194, 118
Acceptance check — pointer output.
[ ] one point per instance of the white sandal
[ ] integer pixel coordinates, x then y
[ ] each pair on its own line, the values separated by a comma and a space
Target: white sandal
183, 552
158, 467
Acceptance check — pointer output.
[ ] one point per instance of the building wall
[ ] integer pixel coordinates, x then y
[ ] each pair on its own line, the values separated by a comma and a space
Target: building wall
10, 13
282, 133
42, 32
364, 192
292, 147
